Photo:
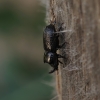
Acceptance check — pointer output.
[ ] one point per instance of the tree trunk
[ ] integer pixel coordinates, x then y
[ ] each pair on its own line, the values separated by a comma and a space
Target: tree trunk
79, 77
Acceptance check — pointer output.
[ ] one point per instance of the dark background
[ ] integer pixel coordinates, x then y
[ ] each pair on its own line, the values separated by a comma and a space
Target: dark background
23, 75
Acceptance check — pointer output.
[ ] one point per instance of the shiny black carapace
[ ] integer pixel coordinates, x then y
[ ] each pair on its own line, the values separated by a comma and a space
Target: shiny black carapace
50, 39
51, 44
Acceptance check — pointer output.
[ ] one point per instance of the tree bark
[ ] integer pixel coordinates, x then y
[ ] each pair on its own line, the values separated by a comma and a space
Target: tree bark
80, 19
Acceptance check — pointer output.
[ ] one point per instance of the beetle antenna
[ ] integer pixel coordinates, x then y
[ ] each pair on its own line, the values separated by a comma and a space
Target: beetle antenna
53, 70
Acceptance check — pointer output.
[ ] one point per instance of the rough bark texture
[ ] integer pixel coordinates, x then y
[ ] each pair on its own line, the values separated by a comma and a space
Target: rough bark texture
80, 77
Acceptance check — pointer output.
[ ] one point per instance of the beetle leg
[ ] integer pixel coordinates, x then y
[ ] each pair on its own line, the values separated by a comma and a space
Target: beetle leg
60, 46
53, 70
60, 27
56, 34
60, 56
61, 63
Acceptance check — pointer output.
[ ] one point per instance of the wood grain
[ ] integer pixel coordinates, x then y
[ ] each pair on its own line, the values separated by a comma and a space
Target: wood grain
80, 19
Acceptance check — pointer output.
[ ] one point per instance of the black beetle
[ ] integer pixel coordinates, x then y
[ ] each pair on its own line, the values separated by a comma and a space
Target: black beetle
51, 45
52, 59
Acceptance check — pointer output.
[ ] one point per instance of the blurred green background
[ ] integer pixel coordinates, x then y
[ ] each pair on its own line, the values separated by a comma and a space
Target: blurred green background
23, 75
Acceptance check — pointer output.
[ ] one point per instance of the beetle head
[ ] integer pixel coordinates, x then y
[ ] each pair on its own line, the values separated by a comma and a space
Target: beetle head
49, 57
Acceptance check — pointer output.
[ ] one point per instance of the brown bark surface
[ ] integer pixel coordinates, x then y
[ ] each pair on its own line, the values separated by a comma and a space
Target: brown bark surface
80, 77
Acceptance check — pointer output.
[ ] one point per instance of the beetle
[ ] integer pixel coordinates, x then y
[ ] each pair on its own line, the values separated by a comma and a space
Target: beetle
51, 45
52, 59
